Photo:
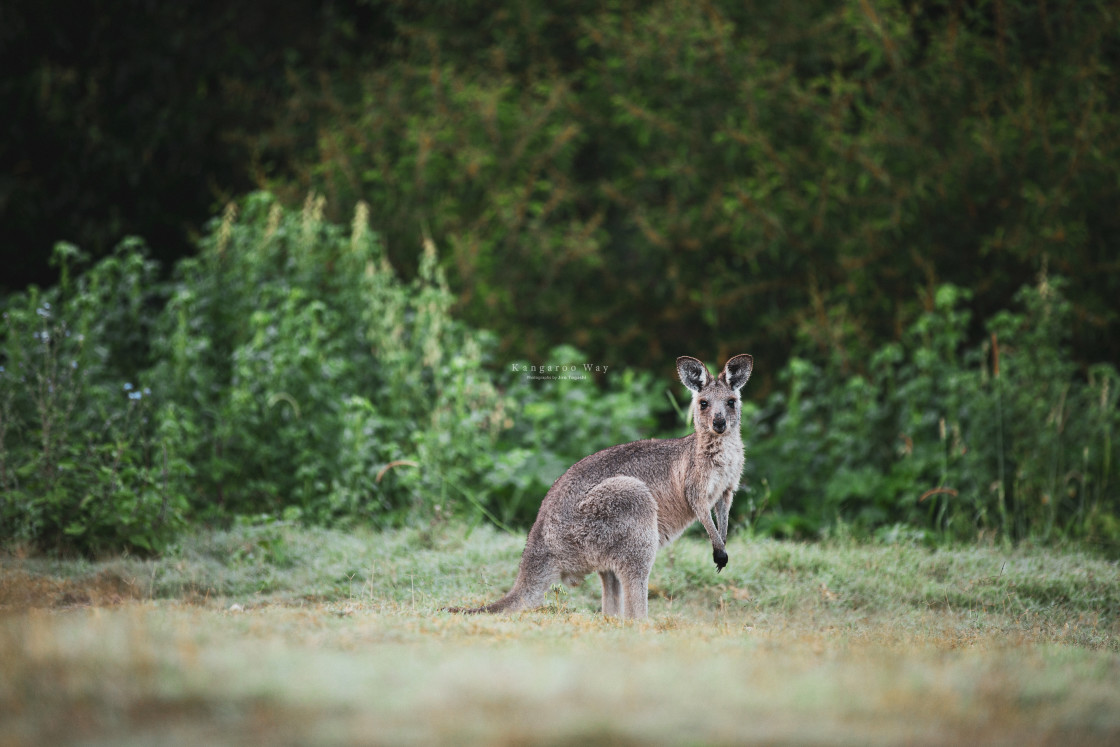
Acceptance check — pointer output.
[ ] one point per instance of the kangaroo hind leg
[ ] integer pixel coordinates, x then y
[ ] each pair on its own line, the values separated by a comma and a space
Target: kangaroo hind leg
620, 529
635, 594
612, 594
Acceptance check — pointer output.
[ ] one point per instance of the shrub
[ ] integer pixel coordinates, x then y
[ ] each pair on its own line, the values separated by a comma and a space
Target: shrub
83, 466
284, 372
1008, 438
305, 378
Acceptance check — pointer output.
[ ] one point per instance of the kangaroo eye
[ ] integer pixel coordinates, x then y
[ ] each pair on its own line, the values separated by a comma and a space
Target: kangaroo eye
731, 403
703, 404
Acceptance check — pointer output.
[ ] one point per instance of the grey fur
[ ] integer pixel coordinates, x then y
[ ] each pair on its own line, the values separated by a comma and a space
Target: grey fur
611, 511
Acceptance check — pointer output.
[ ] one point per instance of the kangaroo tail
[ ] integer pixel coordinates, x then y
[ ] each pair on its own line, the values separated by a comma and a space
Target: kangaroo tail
535, 574
528, 590
508, 602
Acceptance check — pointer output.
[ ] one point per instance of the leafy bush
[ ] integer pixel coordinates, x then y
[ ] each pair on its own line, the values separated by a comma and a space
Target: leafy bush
1008, 438
83, 464
285, 372
303, 378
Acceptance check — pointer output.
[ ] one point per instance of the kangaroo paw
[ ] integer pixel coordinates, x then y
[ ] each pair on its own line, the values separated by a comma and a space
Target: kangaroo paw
720, 557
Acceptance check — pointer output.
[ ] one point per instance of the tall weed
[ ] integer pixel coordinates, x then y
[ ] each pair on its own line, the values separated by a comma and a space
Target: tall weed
305, 379
938, 440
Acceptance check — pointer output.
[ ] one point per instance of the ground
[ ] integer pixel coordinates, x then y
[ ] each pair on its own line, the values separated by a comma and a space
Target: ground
282, 635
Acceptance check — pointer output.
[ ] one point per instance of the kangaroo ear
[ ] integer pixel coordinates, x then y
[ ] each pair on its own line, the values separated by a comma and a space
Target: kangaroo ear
737, 370
693, 373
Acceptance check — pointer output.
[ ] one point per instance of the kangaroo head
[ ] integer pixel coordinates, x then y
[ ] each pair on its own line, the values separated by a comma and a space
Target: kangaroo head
715, 401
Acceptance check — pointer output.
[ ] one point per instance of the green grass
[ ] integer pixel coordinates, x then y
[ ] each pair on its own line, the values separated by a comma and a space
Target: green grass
284, 635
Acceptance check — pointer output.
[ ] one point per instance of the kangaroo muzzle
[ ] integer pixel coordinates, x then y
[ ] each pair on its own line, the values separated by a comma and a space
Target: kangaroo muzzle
719, 424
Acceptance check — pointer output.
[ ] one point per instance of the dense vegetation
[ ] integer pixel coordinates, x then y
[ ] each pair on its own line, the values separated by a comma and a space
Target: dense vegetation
734, 175
288, 372
717, 177
284, 371
905, 211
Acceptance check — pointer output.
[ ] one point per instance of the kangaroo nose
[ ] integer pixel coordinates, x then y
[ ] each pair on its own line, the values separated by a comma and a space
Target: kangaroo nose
719, 424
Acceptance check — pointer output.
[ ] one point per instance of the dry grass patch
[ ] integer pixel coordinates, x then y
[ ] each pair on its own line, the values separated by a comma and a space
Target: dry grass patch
791, 644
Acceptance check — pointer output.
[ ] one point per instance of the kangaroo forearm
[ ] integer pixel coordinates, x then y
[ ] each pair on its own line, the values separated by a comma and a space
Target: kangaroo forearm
710, 528
719, 549
723, 512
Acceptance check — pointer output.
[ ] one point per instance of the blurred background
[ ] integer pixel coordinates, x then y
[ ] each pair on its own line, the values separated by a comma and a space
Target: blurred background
284, 260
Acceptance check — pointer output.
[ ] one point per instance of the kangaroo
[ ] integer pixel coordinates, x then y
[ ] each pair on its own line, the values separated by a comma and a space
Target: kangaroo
611, 511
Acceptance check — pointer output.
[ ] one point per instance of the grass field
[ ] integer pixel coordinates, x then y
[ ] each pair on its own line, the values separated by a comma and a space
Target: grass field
282, 635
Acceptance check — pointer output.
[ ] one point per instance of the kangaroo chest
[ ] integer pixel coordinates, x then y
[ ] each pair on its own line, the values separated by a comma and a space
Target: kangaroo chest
716, 471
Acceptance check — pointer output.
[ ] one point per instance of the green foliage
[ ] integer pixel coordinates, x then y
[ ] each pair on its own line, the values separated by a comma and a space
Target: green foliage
732, 175
83, 465
287, 374
303, 376
1004, 439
